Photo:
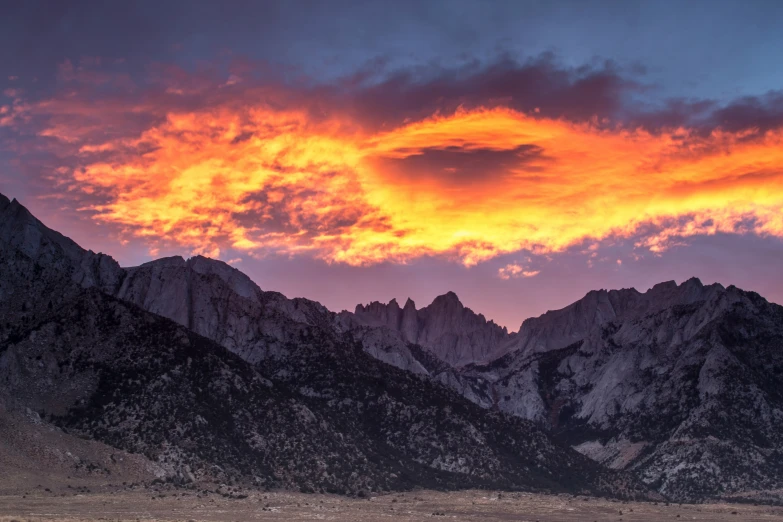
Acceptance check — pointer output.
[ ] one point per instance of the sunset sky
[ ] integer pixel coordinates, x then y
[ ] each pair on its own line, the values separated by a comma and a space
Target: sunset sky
517, 153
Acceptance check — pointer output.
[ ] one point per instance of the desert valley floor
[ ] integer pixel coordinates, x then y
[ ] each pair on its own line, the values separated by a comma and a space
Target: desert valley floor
37, 504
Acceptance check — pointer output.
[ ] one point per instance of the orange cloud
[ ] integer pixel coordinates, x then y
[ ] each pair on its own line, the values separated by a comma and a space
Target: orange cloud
513, 270
469, 185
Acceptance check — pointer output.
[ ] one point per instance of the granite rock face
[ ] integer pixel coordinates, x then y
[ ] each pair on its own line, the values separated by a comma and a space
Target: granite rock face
219, 302
446, 328
223, 304
557, 329
21, 230
680, 384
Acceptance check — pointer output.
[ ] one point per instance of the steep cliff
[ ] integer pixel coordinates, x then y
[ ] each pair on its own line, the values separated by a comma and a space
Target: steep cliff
446, 328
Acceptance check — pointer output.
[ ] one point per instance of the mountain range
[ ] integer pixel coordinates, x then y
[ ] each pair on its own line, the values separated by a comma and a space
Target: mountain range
192, 372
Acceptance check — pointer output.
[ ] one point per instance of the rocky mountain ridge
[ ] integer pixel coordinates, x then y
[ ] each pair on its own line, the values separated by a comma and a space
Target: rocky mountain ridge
676, 385
450, 331
307, 408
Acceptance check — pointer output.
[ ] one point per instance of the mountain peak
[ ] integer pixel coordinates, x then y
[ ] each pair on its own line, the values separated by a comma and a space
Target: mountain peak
21, 230
664, 285
21, 212
559, 328
176, 261
207, 265
447, 298
446, 328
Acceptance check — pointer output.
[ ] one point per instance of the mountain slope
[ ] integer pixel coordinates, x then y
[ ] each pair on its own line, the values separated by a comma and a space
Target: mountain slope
112, 372
680, 385
223, 304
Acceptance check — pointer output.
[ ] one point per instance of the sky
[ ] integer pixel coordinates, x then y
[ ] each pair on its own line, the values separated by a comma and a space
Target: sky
517, 153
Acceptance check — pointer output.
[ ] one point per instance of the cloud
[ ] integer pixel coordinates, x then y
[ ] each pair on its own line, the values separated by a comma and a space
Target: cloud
541, 85
757, 113
513, 271
455, 164
461, 165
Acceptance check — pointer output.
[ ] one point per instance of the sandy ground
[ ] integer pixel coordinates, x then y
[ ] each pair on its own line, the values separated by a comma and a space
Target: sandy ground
41, 505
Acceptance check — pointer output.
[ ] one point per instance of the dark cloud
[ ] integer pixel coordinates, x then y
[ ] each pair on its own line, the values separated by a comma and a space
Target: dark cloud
601, 92
762, 113
97, 97
542, 85
672, 113
99, 100
455, 165
242, 137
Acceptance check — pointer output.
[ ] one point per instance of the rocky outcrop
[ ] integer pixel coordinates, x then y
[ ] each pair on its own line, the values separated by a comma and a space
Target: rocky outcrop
679, 384
21, 230
223, 304
446, 328
214, 300
559, 328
